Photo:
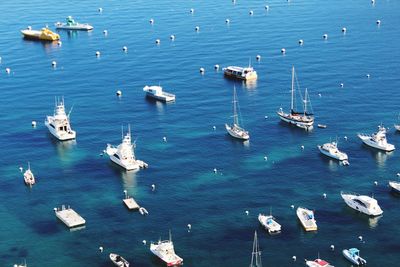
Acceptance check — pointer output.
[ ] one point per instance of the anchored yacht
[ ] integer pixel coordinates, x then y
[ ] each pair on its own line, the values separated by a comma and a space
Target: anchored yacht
124, 154
118, 260
71, 24
307, 219
158, 93
362, 203
166, 252
377, 140
331, 150
353, 255
242, 73
303, 119
59, 124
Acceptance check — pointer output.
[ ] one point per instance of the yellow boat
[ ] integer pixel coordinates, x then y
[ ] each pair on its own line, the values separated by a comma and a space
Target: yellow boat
44, 34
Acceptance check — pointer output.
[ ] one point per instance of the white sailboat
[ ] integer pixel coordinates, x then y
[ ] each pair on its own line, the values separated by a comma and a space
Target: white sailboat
59, 124
256, 253
303, 119
235, 130
124, 154
29, 178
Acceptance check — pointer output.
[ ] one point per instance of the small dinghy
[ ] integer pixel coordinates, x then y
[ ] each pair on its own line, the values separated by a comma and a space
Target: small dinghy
353, 255
118, 260
143, 211
322, 126
318, 263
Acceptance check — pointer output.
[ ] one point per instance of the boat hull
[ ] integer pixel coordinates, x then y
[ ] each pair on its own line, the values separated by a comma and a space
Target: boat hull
308, 225
64, 136
82, 27
307, 125
395, 186
250, 77
349, 200
37, 35
367, 141
340, 157
163, 98
238, 135
357, 260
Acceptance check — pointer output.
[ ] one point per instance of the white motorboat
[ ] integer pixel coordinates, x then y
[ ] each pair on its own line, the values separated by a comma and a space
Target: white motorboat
242, 73
307, 219
158, 93
71, 24
166, 252
118, 260
235, 130
331, 150
395, 186
21, 265
377, 140
353, 255
362, 203
59, 124
305, 119
29, 178
124, 154
256, 253
270, 223
318, 263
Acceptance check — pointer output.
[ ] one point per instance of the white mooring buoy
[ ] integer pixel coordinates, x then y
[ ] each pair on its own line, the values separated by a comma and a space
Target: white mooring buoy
215, 170
332, 247
378, 22
344, 30
101, 249
97, 53
325, 36
258, 57
202, 70
33, 124
283, 51
164, 139
158, 41
301, 42
324, 195
54, 64
153, 187
266, 8
124, 48
192, 10
189, 226
144, 242
294, 258
247, 212
105, 32
292, 206
100, 9
341, 85
227, 21
119, 93
214, 128
8, 70
151, 21
172, 37
375, 182
360, 238
216, 67
197, 28
251, 12
59, 43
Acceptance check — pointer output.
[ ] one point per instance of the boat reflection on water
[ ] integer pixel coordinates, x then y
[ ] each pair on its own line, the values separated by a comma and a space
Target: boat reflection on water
373, 221
64, 148
129, 179
381, 157
250, 85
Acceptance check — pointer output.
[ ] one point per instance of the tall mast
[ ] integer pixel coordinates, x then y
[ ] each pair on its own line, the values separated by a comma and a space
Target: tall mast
235, 116
292, 103
256, 254
305, 101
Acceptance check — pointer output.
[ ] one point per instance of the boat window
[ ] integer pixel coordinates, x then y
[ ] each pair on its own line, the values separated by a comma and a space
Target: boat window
360, 202
61, 128
115, 155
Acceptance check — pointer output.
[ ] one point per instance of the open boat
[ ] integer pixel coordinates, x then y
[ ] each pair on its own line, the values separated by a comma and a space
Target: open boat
235, 130
377, 140
166, 252
29, 178
256, 253
118, 260
362, 203
269, 223
353, 255
71, 24
303, 119
307, 219
318, 263
44, 34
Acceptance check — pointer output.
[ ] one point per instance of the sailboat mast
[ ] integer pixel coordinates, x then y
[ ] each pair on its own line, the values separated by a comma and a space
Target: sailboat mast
305, 101
292, 103
256, 254
235, 116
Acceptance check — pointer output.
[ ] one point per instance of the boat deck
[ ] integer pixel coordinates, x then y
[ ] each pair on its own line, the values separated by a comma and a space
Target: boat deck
69, 217
131, 203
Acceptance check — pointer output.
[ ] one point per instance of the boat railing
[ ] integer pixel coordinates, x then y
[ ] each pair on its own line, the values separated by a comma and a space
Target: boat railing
168, 94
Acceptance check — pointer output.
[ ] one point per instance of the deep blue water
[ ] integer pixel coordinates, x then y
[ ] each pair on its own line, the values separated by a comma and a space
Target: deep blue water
188, 191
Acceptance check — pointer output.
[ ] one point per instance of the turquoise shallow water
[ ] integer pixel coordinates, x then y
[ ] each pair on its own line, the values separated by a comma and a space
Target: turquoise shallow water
187, 189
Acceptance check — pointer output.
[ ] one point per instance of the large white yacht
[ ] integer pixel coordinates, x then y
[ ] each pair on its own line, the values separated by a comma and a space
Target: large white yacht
362, 203
158, 93
242, 73
124, 153
307, 219
59, 124
377, 140
166, 252
331, 150
303, 119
